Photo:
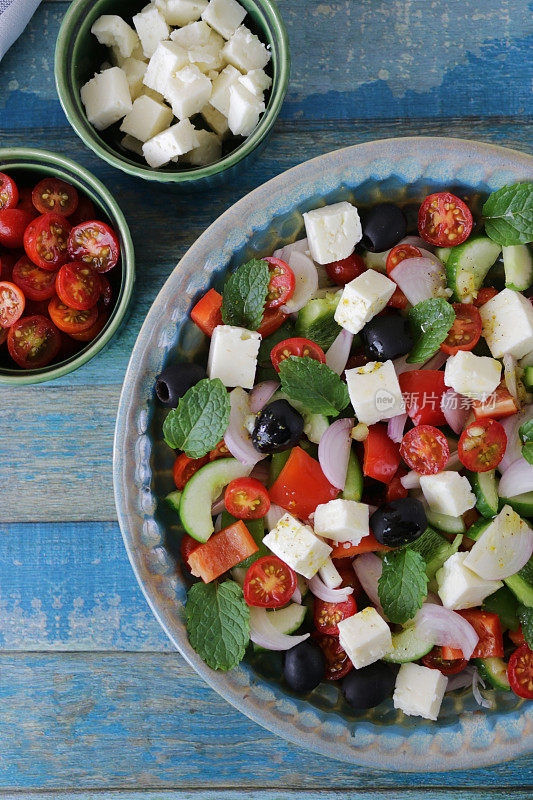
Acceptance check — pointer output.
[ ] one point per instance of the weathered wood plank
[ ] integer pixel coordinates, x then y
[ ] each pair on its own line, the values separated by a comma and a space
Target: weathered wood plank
274, 794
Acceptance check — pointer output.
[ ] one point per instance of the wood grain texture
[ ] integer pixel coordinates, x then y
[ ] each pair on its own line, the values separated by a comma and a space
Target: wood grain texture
271, 794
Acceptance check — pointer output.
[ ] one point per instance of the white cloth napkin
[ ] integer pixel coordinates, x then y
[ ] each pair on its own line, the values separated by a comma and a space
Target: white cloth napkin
14, 16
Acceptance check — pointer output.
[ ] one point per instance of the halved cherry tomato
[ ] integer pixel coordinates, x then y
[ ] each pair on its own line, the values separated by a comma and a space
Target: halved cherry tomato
45, 241
222, 551
25, 201
84, 211
269, 583
12, 302
444, 220
78, 285
337, 662
482, 445
465, 331
36, 283
220, 451
395, 489
33, 342
488, 627
484, 295
273, 318
422, 391
106, 292
520, 672
382, 455
53, 194
187, 545
70, 320
368, 544
184, 468
346, 270
400, 253
92, 332
328, 615
9, 195
94, 243
13, 223
398, 299
425, 449
246, 498
282, 282
301, 485
435, 660
297, 346
207, 312
498, 405
517, 636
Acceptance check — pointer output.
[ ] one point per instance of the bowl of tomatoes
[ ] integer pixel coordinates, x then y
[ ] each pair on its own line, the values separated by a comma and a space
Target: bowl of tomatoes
67, 266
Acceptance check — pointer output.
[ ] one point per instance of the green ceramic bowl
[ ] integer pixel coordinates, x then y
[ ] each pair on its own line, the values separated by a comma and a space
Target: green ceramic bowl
78, 56
29, 166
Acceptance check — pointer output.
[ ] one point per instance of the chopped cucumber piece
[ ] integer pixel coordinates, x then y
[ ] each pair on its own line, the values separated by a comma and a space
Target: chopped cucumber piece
435, 549
276, 465
315, 426
173, 500
521, 584
444, 522
377, 261
407, 646
239, 574
475, 530
504, 604
316, 320
485, 487
494, 671
521, 503
468, 264
518, 265
353, 488
443, 254
256, 529
528, 378
285, 620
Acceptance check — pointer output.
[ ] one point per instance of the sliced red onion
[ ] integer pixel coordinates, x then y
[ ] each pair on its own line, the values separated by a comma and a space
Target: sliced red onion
432, 257
416, 241
444, 627
237, 438
509, 367
261, 472
334, 451
218, 523
456, 409
514, 445
338, 353
264, 634
261, 394
306, 276
368, 568
273, 516
320, 590
395, 427
218, 506
478, 697
517, 479
297, 596
411, 480
454, 462
435, 362
301, 246
462, 680
419, 278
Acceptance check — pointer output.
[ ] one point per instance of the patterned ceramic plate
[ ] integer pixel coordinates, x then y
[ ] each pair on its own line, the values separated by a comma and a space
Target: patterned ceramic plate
271, 216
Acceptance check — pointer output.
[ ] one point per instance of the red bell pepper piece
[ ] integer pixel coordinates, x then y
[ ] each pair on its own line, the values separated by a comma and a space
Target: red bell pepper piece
207, 312
423, 390
301, 485
382, 455
221, 552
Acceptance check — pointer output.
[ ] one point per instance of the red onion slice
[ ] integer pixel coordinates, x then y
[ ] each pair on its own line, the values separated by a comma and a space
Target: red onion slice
514, 445
261, 394
334, 451
517, 479
509, 370
444, 627
456, 409
237, 438
218, 506
435, 362
395, 427
273, 516
261, 471
411, 480
320, 590
419, 278
297, 596
301, 246
339, 352
306, 277
462, 680
264, 634
478, 697
368, 568
416, 241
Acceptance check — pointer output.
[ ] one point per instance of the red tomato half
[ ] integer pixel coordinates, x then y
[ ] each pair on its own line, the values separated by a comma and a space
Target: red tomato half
273, 318
207, 312
282, 282
498, 405
33, 342
13, 223
328, 615
395, 489
346, 270
435, 660
382, 455
520, 672
94, 243
517, 636
400, 253
482, 445
337, 662
45, 241
12, 302
78, 285
36, 283
488, 627
444, 220
25, 201
465, 331
425, 449
296, 346
269, 583
398, 299
92, 332
220, 451
84, 212
9, 195
422, 391
53, 194
184, 468
70, 320
484, 295
301, 485
246, 498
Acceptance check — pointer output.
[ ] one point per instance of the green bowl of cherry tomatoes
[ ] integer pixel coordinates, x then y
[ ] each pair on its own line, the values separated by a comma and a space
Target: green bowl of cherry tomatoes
67, 266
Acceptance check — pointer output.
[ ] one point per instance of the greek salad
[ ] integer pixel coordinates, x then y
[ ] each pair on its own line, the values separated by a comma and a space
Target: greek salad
354, 468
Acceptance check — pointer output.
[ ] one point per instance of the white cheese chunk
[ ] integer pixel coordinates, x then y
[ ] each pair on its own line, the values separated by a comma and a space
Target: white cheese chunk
175, 141
208, 56
146, 119
208, 151
134, 69
362, 299
196, 34
419, 691
342, 520
494, 555
459, 587
220, 96
297, 546
153, 94
244, 110
375, 392
216, 121
332, 231
106, 98
152, 29
329, 575
508, 324
245, 51
130, 143
181, 12
448, 493
224, 16
118, 59
473, 376
257, 82
233, 355
167, 60
112, 31
188, 91
365, 637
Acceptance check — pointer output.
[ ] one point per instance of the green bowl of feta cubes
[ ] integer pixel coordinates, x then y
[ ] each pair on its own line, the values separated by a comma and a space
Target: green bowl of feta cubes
179, 91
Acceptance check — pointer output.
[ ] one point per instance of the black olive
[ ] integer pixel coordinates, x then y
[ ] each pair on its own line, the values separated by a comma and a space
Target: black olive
277, 427
304, 666
383, 227
369, 686
399, 522
174, 381
387, 337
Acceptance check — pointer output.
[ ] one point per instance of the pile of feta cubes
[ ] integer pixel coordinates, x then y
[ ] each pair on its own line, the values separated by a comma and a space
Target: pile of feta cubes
183, 59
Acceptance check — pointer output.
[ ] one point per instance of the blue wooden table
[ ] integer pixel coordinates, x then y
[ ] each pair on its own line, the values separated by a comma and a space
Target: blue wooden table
94, 703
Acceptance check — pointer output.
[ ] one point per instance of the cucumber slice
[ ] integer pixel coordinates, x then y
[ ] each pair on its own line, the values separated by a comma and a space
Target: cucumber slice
202, 490
256, 529
475, 530
173, 500
316, 320
494, 671
443, 254
276, 465
521, 584
518, 265
485, 487
377, 261
239, 574
315, 426
468, 264
285, 620
505, 605
445, 523
521, 503
407, 646
527, 378
353, 488
435, 549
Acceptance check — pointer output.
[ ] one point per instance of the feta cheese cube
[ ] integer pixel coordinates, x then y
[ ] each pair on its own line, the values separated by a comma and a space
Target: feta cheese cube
496, 554
217, 121
112, 31
181, 12
153, 94
134, 70
342, 520
447, 493
375, 392
245, 51
362, 299
473, 376
297, 545
146, 119
196, 34
118, 60
329, 575
220, 96
459, 587
106, 98
167, 60
130, 143
175, 141
332, 231
151, 28
224, 16
233, 355
256, 81
365, 636
208, 151
244, 110
419, 691
208, 56
188, 91
508, 324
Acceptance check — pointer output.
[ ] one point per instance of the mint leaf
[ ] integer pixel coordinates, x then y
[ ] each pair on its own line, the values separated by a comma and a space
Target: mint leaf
314, 385
525, 615
199, 422
218, 623
430, 322
525, 431
244, 295
508, 215
403, 585
527, 452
